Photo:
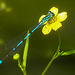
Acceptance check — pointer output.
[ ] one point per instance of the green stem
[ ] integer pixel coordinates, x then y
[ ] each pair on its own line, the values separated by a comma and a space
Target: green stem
53, 58
24, 72
50, 62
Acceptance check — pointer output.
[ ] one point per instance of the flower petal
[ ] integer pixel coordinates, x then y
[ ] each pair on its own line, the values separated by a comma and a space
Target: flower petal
54, 10
42, 18
56, 25
46, 29
62, 16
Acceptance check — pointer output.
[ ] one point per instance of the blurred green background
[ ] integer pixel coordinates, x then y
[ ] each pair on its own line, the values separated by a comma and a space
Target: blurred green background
24, 14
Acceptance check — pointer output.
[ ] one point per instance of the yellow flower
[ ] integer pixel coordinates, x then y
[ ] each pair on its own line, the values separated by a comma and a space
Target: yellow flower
55, 22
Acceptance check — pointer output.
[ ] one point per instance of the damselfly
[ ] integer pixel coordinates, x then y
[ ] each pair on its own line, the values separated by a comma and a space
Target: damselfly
49, 16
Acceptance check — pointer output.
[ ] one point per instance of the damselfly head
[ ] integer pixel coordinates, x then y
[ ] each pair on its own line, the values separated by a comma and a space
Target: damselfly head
50, 13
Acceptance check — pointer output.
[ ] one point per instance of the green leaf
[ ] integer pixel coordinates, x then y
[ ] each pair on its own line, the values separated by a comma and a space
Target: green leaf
68, 52
25, 51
